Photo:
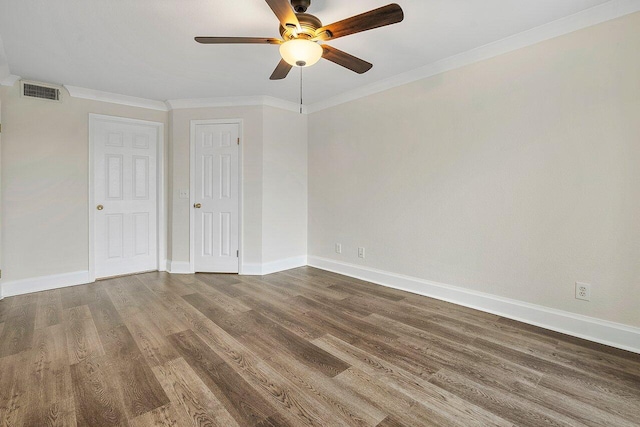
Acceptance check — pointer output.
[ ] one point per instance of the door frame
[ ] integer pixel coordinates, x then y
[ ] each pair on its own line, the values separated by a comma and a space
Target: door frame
160, 188
192, 186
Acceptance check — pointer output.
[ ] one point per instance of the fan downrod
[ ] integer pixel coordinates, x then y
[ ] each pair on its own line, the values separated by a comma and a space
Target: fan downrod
300, 6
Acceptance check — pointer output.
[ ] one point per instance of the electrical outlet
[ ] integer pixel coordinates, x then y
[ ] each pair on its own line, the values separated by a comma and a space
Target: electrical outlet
360, 252
338, 248
583, 291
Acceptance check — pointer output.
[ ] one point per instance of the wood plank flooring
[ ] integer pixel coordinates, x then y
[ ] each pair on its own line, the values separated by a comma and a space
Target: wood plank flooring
303, 347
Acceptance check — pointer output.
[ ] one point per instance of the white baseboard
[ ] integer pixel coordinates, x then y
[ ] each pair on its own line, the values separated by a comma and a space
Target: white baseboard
247, 269
251, 269
179, 267
273, 266
44, 283
284, 264
592, 329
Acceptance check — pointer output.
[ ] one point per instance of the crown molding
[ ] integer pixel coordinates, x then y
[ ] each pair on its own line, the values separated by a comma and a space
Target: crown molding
114, 98
175, 104
235, 101
10, 80
593, 16
271, 101
587, 18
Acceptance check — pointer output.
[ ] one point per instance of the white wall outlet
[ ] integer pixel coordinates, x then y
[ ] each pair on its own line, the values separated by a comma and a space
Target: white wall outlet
360, 252
583, 291
183, 194
338, 248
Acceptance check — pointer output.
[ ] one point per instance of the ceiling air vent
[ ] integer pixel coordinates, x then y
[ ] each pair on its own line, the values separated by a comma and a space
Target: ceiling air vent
40, 91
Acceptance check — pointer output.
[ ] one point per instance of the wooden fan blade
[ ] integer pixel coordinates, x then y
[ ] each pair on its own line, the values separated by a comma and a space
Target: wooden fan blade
344, 59
386, 15
281, 70
234, 40
284, 12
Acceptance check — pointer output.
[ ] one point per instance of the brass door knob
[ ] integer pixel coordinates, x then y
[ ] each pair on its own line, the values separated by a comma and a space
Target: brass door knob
99, 207
197, 205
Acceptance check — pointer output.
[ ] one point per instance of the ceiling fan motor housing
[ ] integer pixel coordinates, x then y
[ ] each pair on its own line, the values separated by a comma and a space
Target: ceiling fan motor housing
308, 23
300, 6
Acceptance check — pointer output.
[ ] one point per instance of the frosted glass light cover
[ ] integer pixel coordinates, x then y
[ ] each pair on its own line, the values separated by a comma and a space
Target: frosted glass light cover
300, 51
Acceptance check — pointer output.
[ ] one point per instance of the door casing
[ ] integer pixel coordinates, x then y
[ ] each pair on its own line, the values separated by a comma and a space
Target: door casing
192, 187
161, 221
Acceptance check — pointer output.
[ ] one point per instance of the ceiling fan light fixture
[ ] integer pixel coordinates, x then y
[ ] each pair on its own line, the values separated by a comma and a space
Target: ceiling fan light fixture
301, 52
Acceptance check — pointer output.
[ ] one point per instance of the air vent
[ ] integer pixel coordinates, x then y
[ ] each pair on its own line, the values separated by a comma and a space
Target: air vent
40, 91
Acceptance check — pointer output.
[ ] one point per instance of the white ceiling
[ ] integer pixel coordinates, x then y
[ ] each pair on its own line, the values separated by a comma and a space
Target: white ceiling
145, 48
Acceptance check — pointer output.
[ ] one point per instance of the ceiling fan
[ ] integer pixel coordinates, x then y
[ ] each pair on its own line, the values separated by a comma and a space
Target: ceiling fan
301, 33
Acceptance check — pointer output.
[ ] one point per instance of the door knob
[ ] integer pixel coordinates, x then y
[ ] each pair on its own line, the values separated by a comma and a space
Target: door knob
197, 205
99, 207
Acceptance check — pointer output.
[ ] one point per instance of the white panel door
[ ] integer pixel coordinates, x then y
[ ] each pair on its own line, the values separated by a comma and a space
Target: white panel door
216, 207
125, 195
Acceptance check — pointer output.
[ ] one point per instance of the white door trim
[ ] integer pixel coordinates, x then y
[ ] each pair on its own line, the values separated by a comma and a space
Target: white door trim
192, 187
161, 230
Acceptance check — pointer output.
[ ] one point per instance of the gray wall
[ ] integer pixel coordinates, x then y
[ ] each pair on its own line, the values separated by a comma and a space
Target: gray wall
516, 176
45, 181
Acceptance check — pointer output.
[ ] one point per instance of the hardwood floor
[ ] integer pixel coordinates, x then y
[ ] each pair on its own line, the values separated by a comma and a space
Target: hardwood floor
302, 347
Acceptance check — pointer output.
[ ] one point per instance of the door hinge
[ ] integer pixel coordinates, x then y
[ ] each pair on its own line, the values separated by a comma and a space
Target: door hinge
238, 254
238, 141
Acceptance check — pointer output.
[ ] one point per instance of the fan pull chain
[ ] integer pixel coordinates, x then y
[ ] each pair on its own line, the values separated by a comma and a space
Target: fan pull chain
301, 90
